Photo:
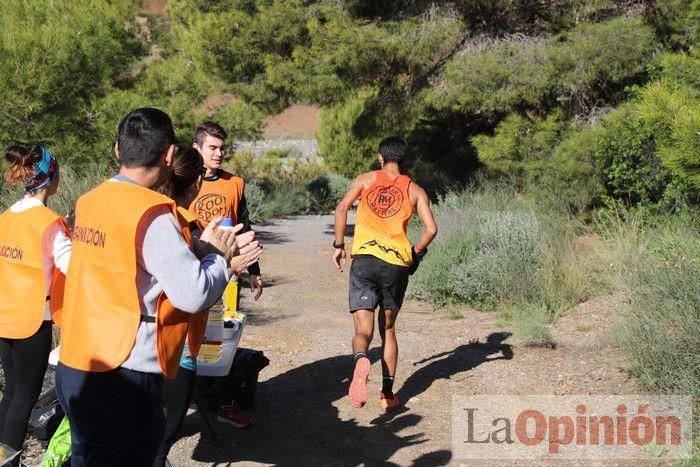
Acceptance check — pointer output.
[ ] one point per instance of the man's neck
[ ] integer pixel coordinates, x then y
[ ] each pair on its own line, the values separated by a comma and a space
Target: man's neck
392, 169
211, 172
147, 177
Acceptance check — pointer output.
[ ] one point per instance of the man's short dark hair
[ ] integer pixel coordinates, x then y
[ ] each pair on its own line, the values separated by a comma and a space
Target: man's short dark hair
143, 136
211, 129
393, 149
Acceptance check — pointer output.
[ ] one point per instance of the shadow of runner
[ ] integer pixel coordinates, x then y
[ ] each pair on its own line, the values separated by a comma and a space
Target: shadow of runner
447, 364
296, 422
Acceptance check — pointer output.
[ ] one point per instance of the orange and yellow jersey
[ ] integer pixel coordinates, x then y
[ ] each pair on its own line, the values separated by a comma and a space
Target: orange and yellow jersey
382, 218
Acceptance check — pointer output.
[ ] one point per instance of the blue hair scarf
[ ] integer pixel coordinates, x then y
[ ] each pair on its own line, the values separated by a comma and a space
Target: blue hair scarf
45, 172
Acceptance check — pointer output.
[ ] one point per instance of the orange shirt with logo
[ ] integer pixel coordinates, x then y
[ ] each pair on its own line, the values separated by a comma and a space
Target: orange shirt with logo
220, 197
22, 279
382, 218
102, 312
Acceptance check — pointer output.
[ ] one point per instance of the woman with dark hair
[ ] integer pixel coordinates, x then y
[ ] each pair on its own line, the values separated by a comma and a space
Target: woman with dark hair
182, 187
35, 249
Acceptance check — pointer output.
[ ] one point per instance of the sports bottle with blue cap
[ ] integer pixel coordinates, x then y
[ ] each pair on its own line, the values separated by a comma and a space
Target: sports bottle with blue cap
231, 292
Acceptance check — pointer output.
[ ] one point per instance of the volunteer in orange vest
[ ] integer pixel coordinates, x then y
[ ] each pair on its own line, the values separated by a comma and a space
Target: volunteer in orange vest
130, 287
383, 259
35, 249
182, 187
222, 194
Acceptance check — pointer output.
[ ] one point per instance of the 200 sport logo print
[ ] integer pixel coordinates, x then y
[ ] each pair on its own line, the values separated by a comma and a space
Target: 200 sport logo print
385, 201
210, 206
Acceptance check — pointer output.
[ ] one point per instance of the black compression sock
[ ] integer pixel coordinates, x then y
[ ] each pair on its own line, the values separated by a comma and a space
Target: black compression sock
359, 355
388, 385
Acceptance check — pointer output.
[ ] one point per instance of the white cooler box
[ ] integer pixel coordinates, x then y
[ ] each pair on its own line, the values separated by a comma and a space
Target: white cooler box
216, 359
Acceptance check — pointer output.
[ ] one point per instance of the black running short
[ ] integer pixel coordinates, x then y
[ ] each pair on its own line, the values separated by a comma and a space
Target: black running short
376, 283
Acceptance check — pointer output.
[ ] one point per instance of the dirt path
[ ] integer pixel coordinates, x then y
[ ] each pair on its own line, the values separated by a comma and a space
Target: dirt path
302, 416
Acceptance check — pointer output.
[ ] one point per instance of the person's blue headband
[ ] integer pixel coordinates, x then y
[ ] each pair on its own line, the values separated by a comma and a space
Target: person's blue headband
45, 172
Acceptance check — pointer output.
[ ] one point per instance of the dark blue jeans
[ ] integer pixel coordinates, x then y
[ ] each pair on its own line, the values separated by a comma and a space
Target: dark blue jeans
116, 417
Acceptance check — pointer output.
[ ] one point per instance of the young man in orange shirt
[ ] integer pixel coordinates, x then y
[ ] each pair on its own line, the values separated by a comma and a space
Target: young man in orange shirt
222, 194
382, 260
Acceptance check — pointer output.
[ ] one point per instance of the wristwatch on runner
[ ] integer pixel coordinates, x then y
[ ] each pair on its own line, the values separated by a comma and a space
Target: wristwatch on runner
338, 245
417, 258
420, 255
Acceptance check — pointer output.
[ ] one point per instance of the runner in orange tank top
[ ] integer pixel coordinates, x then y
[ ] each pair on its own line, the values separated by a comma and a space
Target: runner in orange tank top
382, 260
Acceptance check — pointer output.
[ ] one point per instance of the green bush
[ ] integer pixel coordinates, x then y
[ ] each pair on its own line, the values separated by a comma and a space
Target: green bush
659, 330
521, 146
340, 140
674, 117
626, 157
55, 57
576, 67
280, 201
327, 191
497, 250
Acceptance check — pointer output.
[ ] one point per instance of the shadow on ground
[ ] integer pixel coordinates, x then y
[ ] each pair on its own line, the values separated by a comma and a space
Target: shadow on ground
296, 422
349, 230
267, 237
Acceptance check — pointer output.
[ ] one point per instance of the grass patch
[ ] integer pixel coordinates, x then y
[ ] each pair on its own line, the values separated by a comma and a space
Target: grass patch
498, 250
659, 328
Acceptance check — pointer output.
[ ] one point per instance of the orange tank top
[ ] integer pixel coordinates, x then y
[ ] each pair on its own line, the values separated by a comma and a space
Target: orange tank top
382, 218
220, 197
22, 279
101, 313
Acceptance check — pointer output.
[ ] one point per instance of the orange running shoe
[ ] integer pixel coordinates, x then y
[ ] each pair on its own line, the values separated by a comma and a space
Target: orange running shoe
358, 394
233, 415
388, 403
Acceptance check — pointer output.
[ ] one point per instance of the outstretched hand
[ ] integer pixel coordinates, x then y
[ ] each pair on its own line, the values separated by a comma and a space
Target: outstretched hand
339, 258
256, 286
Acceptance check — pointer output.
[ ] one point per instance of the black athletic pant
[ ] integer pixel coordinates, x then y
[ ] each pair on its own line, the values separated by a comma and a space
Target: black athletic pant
116, 417
178, 393
24, 363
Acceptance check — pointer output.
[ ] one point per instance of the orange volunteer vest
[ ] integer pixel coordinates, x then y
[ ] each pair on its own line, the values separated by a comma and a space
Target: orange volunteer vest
220, 197
198, 321
22, 279
101, 313
382, 217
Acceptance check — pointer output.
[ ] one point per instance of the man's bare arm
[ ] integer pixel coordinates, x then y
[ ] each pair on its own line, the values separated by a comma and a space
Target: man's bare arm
430, 227
341, 217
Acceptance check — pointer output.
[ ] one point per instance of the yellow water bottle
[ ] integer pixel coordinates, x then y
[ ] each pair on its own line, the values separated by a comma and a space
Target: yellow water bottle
230, 298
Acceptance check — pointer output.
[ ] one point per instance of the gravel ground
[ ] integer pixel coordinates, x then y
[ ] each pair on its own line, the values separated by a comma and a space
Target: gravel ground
302, 416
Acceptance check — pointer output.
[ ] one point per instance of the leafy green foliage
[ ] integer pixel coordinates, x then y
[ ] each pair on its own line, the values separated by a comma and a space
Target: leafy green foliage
521, 146
55, 58
577, 67
327, 190
628, 162
343, 149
